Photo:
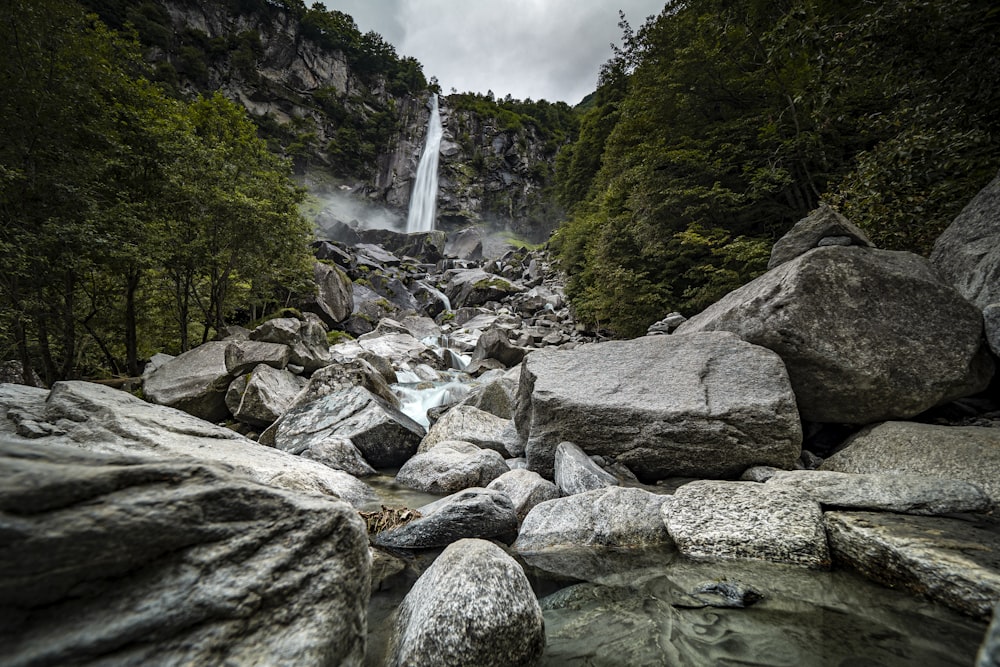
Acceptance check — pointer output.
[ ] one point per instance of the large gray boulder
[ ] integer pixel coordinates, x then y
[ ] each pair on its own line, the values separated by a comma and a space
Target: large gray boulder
525, 489
243, 356
824, 226
268, 393
575, 472
468, 423
451, 466
306, 338
712, 520
99, 419
473, 606
866, 335
384, 435
118, 560
474, 512
705, 405
967, 453
495, 344
609, 517
334, 299
954, 562
474, 287
908, 494
338, 453
195, 382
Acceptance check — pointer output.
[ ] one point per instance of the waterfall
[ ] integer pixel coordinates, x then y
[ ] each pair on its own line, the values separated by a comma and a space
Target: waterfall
423, 201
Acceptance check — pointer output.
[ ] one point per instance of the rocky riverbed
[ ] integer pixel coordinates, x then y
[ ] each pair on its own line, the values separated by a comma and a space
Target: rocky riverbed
432, 463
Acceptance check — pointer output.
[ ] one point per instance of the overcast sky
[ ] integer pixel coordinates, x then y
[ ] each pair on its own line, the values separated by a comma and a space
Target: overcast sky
538, 49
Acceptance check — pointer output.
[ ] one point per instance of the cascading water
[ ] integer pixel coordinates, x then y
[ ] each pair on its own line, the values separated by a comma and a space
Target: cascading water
423, 201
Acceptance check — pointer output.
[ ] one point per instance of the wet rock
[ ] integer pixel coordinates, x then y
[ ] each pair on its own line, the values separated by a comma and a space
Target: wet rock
464, 422
610, 517
243, 356
575, 472
953, 562
334, 299
473, 585
111, 559
704, 405
339, 454
473, 512
710, 520
384, 435
967, 453
816, 230
908, 494
452, 465
866, 334
724, 595
268, 394
195, 382
524, 488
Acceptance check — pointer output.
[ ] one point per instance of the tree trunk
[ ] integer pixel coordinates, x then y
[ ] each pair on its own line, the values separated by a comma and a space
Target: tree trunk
69, 325
132, 278
27, 371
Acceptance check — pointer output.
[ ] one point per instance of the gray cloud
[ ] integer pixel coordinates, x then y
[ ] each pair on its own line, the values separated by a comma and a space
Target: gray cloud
538, 49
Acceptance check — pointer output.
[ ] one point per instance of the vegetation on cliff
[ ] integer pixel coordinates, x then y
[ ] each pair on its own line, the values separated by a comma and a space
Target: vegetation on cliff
717, 125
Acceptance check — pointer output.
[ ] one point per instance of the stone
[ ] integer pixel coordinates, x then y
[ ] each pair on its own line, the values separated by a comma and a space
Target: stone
464, 244
967, 453
334, 298
473, 606
338, 376
464, 422
967, 254
494, 396
452, 465
714, 520
867, 335
475, 287
707, 405
991, 325
575, 472
814, 231
524, 488
495, 344
989, 650
339, 454
908, 494
953, 562
473, 512
610, 517
307, 340
268, 394
195, 382
113, 559
401, 349
667, 324
99, 419
242, 356
384, 435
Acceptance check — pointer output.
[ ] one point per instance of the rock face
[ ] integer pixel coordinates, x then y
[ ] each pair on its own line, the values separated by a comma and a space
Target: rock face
866, 334
824, 226
124, 560
954, 562
744, 520
575, 472
95, 418
474, 512
451, 466
699, 405
967, 453
473, 606
610, 517
384, 435
194, 382
908, 494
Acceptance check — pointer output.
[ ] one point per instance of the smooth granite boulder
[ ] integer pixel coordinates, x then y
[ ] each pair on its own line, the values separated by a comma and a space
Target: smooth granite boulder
242, 356
713, 520
110, 559
575, 472
706, 405
338, 453
334, 299
867, 335
525, 489
815, 230
473, 606
452, 465
474, 512
470, 424
195, 382
268, 394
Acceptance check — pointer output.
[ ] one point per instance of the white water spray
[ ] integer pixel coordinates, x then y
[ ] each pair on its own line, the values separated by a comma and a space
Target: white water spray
423, 201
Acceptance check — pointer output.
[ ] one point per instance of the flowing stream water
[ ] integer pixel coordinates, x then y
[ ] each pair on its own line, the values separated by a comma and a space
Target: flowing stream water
423, 201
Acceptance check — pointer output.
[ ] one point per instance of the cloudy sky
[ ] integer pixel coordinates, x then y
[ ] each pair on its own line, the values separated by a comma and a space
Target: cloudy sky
538, 49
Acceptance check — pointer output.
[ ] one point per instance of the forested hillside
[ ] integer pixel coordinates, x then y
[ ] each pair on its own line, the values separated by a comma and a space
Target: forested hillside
717, 125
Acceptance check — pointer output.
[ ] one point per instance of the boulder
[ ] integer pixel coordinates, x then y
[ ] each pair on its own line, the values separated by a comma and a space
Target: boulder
307, 339
339, 454
953, 562
814, 231
495, 396
989, 650
908, 494
474, 287
705, 405
464, 422
575, 472
473, 606
609, 517
464, 244
334, 298
111, 559
268, 394
195, 382
452, 465
866, 335
96, 418
712, 520
384, 435
967, 453
242, 356
525, 489
473, 512
495, 344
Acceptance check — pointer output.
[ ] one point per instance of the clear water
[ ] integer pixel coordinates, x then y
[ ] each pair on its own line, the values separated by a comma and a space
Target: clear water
423, 200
